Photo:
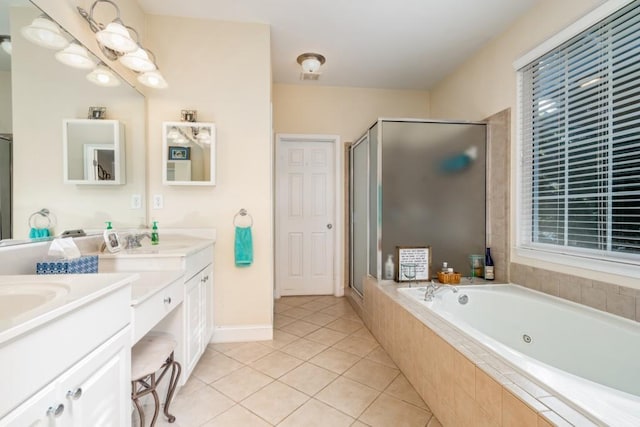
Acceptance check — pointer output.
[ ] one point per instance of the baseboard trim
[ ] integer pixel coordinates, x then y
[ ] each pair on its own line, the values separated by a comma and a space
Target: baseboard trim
242, 333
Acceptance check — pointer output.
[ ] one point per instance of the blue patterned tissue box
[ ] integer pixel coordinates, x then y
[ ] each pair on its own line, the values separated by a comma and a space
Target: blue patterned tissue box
84, 264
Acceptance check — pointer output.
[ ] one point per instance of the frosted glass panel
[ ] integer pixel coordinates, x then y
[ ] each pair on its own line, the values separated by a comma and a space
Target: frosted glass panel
433, 189
359, 211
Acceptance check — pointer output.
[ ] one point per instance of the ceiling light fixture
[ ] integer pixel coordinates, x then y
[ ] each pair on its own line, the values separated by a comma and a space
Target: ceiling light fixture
116, 43
5, 43
311, 63
44, 32
75, 56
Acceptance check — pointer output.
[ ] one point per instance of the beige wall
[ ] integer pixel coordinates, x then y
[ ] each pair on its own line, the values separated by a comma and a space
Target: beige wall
222, 70
486, 84
344, 111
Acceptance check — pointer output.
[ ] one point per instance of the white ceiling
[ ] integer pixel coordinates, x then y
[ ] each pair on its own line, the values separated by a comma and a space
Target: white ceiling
401, 44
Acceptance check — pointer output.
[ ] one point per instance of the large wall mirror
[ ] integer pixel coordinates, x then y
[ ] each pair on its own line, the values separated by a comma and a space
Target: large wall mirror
38, 94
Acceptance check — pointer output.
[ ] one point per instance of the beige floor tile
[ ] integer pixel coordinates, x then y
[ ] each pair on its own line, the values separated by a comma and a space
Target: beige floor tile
308, 378
276, 364
344, 325
304, 349
193, 384
210, 352
364, 334
338, 310
335, 360
275, 402
242, 383
326, 336
389, 411
348, 396
317, 305
352, 315
237, 416
317, 414
300, 328
210, 370
197, 408
401, 388
434, 422
372, 374
280, 320
280, 339
279, 306
359, 424
249, 352
319, 319
381, 356
330, 299
225, 346
358, 346
297, 312
298, 301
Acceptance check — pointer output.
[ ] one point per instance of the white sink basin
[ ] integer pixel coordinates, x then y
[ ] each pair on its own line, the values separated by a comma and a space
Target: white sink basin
16, 299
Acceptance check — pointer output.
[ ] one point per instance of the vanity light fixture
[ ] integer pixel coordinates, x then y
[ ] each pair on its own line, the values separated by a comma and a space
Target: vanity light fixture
5, 43
310, 63
116, 42
102, 76
194, 134
44, 32
75, 56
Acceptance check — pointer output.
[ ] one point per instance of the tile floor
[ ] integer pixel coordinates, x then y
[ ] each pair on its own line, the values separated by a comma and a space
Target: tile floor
323, 368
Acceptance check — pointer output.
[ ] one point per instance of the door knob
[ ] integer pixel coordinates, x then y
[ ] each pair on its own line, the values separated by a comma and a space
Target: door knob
329, 226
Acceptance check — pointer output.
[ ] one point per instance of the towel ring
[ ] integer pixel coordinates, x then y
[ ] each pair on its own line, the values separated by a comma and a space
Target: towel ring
242, 213
44, 213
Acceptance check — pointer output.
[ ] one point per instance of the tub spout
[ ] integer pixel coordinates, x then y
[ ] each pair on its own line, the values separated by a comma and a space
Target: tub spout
433, 287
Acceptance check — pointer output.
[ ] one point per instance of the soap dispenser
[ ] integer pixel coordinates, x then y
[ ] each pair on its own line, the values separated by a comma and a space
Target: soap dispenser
389, 268
155, 237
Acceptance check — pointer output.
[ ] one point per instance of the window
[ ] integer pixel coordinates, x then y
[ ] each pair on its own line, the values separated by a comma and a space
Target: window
580, 146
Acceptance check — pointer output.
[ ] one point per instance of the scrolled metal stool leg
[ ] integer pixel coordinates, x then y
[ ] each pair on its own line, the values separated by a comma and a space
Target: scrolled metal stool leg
156, 400
137, 403
176, 369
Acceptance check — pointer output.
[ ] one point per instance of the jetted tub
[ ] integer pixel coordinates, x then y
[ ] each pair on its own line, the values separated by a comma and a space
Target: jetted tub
590, 358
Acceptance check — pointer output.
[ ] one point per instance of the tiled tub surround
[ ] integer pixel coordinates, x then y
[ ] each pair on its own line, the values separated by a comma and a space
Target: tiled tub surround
461, 380
609, 297
604, 381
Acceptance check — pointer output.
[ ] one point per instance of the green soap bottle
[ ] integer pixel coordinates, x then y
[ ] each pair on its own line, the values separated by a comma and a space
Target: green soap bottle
109, 227
155, 237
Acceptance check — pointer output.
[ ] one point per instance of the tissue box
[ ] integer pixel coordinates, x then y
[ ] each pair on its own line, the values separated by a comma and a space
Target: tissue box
84, 264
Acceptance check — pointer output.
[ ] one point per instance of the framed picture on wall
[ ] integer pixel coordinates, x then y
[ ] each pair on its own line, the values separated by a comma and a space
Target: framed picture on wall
414, 263
179, 153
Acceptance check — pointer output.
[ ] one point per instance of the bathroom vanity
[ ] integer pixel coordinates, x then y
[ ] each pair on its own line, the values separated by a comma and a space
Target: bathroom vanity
65, 349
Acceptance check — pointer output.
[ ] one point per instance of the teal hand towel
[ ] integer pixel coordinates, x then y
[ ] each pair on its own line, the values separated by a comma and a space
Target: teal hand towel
38, 233
243, 247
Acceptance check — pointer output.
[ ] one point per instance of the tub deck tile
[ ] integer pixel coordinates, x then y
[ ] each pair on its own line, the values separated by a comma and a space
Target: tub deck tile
525, 397
568, 413
529, 386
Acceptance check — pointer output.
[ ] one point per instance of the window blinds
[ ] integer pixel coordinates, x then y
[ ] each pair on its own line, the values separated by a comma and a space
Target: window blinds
580, 163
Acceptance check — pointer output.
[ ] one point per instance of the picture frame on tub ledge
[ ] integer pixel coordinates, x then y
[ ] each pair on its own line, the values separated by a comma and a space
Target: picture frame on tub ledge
179, 153
414, 263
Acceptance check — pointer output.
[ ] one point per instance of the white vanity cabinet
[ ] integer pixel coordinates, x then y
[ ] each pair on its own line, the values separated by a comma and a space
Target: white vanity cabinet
198, 315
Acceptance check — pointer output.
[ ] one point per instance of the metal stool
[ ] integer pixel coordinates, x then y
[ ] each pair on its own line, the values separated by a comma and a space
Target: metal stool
151, 354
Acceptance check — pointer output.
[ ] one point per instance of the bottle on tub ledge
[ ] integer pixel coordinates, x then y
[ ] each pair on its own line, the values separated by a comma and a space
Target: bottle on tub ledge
389, 268
489, 272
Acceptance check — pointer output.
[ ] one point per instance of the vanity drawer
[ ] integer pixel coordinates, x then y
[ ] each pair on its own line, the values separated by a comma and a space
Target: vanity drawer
148, 313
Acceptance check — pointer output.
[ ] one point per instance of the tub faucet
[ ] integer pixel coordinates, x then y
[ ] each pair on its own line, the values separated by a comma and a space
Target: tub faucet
133, 240
432, 287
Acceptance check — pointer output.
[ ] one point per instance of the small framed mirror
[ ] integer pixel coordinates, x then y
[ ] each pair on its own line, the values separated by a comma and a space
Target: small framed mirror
93, 152
189, 150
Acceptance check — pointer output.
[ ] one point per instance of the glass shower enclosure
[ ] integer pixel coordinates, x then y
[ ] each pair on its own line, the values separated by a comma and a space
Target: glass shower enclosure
416, 183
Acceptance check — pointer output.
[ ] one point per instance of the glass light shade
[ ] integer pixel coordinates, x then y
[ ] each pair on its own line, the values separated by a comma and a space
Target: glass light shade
311, 65
138, 60
102, 76
115, 36
153, 79
204, 136
75, 56
173, 133
6, 46
45, 33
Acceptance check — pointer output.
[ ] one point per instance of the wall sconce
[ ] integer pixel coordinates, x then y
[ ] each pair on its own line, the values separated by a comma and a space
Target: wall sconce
5, 43
116, 43
310, 63
97, 113
45, 33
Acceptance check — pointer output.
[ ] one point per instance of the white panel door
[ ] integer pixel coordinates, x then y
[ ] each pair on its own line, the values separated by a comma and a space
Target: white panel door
305, 211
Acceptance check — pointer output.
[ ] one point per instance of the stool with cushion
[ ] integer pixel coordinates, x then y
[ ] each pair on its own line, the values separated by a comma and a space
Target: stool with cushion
151, 354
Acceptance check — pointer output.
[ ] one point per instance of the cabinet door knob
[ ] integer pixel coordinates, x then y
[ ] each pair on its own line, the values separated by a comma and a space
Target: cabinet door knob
55, 412
167, 300
74, 394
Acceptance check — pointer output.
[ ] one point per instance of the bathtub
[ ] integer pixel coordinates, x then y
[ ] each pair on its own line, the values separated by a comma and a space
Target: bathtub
589, 358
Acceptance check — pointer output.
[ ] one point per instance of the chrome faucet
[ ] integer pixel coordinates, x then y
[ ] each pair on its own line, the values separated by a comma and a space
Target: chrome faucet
432, 288
133, 240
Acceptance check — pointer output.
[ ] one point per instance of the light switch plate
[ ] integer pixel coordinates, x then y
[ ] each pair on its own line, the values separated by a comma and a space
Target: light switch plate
158, 203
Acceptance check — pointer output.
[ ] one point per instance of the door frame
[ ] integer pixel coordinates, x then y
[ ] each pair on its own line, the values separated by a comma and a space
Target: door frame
338, 241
